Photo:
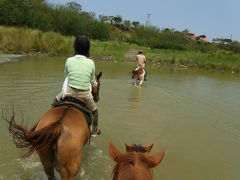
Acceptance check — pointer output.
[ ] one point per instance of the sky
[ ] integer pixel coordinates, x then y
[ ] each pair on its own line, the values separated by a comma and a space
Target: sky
213, 18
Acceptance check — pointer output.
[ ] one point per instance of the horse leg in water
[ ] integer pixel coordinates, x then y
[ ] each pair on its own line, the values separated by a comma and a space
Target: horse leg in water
47, 159
68, 157
58, 138
74, 135
141, 78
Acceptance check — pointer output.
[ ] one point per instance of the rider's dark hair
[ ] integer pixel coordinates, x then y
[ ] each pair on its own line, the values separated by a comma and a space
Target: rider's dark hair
140, 52
82, 45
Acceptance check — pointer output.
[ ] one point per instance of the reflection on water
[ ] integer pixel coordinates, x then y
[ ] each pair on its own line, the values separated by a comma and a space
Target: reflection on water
134, 99
193, 115
9, 57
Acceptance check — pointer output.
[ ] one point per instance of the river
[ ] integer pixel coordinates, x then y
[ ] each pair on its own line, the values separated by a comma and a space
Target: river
193, 115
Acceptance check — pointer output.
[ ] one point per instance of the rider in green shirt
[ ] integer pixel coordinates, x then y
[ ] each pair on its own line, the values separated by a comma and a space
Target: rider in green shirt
80, 72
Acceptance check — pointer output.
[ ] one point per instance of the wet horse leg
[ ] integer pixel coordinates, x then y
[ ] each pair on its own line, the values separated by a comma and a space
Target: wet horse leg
135, 79
141, 78
47, 159
69, 158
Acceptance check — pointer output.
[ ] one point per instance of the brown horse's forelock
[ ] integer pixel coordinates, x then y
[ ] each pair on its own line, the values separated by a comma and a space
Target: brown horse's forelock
138, 148
31, 140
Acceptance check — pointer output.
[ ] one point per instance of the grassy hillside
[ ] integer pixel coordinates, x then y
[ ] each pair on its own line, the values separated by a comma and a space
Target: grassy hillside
29, 41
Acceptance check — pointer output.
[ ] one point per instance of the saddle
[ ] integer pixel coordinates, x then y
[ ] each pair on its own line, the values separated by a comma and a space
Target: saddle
77, 104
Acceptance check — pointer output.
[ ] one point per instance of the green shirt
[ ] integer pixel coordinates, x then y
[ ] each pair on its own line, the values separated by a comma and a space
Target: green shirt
80, 71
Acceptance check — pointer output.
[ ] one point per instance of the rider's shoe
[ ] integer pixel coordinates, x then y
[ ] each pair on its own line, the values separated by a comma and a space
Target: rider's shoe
96, 132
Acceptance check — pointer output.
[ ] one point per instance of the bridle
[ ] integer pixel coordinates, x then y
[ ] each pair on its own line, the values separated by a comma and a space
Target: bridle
95, 85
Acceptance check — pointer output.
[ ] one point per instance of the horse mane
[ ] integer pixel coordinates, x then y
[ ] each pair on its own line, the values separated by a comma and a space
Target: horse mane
31, 140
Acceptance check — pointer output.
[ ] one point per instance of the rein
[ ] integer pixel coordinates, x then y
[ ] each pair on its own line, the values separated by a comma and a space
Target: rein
95, 83
115, 174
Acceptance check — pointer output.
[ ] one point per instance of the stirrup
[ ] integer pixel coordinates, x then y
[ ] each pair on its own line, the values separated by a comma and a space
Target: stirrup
96, 133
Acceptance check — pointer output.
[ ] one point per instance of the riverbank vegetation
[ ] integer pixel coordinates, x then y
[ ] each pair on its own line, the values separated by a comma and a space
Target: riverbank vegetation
35, 26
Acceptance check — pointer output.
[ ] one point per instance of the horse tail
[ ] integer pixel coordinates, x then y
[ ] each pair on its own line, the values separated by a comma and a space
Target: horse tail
133, 73
30, 140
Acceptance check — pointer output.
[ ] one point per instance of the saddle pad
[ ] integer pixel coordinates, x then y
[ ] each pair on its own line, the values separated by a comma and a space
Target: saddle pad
75, 103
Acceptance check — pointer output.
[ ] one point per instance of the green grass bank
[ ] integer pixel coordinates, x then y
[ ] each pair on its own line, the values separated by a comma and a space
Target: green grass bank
28, 41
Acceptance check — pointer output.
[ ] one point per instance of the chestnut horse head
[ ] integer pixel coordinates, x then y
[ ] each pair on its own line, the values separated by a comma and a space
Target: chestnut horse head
96, 87
58, 138
138, 75
132, 164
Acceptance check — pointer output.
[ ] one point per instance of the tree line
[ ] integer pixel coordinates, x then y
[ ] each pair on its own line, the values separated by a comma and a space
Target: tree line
38, 14
71, 20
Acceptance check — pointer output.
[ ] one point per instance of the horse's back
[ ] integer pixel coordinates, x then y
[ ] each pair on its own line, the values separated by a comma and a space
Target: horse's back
73, 123
51, 116
67, 116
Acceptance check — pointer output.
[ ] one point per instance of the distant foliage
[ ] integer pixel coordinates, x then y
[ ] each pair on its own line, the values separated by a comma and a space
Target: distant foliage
24, 40
67, 20
153, 37
71, 20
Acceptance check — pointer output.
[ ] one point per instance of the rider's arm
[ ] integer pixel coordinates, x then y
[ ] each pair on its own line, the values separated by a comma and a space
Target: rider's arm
93, 73
65, 70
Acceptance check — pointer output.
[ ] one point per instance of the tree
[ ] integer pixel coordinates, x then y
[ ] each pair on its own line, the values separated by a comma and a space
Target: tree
227, 41
185, 31
202, 36
103, 18
135, 24
74, 6
111, 19
127, 25
117, 19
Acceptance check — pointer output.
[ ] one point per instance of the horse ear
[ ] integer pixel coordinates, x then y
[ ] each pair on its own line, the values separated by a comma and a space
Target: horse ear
114, 152
148, 148
156, 159
99, 75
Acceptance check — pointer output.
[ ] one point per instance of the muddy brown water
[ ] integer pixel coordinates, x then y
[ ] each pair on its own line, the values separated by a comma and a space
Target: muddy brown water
194, 115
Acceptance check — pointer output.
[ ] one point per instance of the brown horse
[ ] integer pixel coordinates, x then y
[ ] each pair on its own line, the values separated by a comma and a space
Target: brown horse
138, 75
58, 138
134, 164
